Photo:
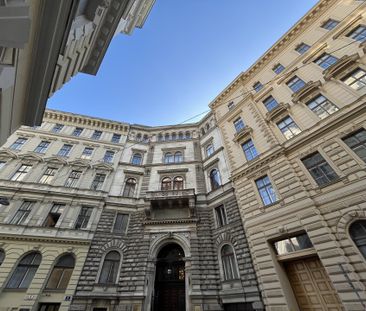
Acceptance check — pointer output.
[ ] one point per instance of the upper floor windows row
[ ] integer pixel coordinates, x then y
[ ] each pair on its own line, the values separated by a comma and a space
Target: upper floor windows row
174, 136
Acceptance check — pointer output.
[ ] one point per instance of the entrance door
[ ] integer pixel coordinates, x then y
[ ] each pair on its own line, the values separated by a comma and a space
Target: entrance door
170, 280
311, 285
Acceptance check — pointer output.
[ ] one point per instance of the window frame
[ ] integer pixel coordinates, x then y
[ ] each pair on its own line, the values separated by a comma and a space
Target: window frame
321, 106
129, 194
71, 181
330, 24
134, 155
25, 209
77, 131
325, 60
21, 172
65, 150
221, 219
219, 181
287, 126
101, 266
123, 230
356, 81
293, 85
300, 50
234, 271
42, 147
352, 33
56, 265
84, 225
268, 193
98, 183
248, 151
343, 139
18, 144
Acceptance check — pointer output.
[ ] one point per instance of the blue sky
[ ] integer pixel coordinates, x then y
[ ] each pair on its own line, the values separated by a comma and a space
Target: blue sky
187, 52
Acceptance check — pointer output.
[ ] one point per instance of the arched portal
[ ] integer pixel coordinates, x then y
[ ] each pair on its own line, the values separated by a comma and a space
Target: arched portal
170, 279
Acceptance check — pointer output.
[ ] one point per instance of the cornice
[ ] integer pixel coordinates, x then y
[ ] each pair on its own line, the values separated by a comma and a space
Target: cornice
52, 240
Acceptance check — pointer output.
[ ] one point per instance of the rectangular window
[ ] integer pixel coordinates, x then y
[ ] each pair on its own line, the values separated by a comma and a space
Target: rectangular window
356, 80
270, 103
358, 34
54, 215
108, 156
231, 105
322, 107
221, 218
2, 164
116, 138
98, 181
257, 86
77, 131
296, 84
42, 147
319, 169
293, 244
330, 24
65, 150
57, 128
22, 213
96, 135
265, 190
87, 153
302, 48
83, 218
249, 150
278, 69
22, 171
73, 179
357, 142
239, 125
120, 224
18, 144
288, 127
48, 175
326, 60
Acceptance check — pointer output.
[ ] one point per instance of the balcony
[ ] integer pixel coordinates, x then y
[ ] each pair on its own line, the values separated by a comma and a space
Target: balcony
243, 134
280, 111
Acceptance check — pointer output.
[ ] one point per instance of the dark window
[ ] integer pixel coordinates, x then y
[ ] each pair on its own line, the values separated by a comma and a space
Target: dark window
174, 136
181, 135
330, 24
249, 150
302, 48
178, 183
96, 135
319, 169
77, 131
278, 68
166, 184
288, 127
357, 142
22, 213
2, 164
61, 273
2, 256
358, 34
54, 215
322, 107
167, 136
47, 307
136, 159
270, 103
257, 86
356, 80
98, 181
116, 138
239, 124
265, 190
57, 128
22, 171
188, 135
110, 267
121, 222
215, 179
87, 153
358, 234
25, 271
108, 156
231, 105
160, 137
326, 60
18, 144
295, 84
292, 244
73, 179
65, 150
42, 147
129, 189
221, 218
83, 218
229, 263
48, 175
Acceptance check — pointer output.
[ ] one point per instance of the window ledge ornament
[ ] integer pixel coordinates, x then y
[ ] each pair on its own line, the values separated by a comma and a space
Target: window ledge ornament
277, 113
343, 66
306, 92
243, 134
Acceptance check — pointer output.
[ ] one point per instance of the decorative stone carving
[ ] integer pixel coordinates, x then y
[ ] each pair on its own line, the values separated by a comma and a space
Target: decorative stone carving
277, 113
342, 67
307, 92
243, 134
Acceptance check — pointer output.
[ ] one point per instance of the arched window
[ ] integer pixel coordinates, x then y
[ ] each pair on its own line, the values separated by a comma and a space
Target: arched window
229, 265
130, 186
168, 158
139, 137
178, 157
25, 271
146, 138
209, 150
166, 184
202, 131
188, 135
136, 159
2, 256
207, 126
160, 137
109, 272
167, 136
180, 135
174, 136
358, 235
61, 273
178, 183
215, 179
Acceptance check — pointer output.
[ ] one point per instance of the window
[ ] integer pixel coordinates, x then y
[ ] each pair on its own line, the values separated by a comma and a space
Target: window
178, 157
210, 150
96, 135
257, 86
73, 179
54, 215
61, 273
278, 69
356, 80
22, 171
238, 124
136, 159
221, 218
322, 107
83, 218
188, 135
265, 190
139, 137
47, 307
288, 127
48, 175
168, 158
167, 137
292, 244
160, 137
174, 136
25, 271
330, 24
120, 224
231, 105
57, 128
98, 181
108, 274
270, 103
77, 131
358, 234
2, 164
295, 84
130, 186
178, 183
249, 150
358, 34
302, 48
166, 184
18, 144
319, 169
87, 153
215, 179
116, 138
181, 136
22, 213
108, 156
229, 263
326, 60
357, 142
42, 147
65, 150
2, 256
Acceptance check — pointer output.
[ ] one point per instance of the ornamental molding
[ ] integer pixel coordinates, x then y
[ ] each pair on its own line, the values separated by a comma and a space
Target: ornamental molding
5, 153
211, 164
278, 112
113, 244
80, 163
170, 221
342, 67
315, 53
173, 171
56, 160
129, 172
307, 92
51, 240
30, 157
103, 166
244, 134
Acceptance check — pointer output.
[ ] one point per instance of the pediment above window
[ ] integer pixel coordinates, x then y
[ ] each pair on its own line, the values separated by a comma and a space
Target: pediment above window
31, 157
244, 134
56, 160
342, 67
307, 92
103, 166
8, 154
277, 113
80, 163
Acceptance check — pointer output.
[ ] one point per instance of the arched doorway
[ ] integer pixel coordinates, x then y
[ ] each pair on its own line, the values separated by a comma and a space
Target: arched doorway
170, 279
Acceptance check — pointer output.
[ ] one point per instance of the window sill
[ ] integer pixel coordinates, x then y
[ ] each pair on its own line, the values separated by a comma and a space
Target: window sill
20, 290
263, 207
50, 290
